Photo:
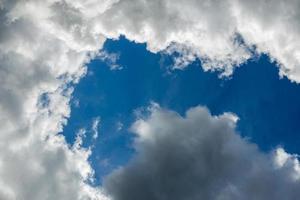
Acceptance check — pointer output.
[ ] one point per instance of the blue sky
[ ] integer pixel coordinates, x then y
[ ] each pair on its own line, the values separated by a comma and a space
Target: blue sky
268, 106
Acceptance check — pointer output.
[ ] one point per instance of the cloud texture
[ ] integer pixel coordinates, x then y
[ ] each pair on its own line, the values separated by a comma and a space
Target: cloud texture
43, 48
223, 34
44, 45
200, 156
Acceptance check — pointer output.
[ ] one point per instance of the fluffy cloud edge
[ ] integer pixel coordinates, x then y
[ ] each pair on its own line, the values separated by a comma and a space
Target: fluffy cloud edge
223, 35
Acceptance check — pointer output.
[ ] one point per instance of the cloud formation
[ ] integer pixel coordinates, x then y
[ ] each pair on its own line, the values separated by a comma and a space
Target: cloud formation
200, 156
44, 46
223, 34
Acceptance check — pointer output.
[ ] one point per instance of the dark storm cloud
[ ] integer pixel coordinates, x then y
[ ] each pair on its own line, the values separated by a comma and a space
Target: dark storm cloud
200, 157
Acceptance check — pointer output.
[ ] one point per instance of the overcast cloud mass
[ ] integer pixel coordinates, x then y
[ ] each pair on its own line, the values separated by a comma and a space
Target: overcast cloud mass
44, 46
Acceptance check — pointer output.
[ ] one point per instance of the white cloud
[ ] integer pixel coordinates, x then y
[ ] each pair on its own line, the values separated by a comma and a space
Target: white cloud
200, 156
110, 59
44, 46
210, 30
95, 127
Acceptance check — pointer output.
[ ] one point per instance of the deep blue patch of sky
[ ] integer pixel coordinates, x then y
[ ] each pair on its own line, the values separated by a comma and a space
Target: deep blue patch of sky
268, 107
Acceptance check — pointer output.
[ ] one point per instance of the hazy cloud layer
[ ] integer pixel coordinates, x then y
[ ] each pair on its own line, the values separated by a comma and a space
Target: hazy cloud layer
44, 45
200, 156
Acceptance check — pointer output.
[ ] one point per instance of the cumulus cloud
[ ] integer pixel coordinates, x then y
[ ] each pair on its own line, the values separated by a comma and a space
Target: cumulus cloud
200, 156
44, 46
212, 30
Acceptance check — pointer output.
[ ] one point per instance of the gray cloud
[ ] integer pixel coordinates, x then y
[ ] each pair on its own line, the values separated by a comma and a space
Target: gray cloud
200, 156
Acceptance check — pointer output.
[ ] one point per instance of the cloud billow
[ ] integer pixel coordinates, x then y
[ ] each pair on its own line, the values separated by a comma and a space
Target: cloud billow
211, 30
201, 156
